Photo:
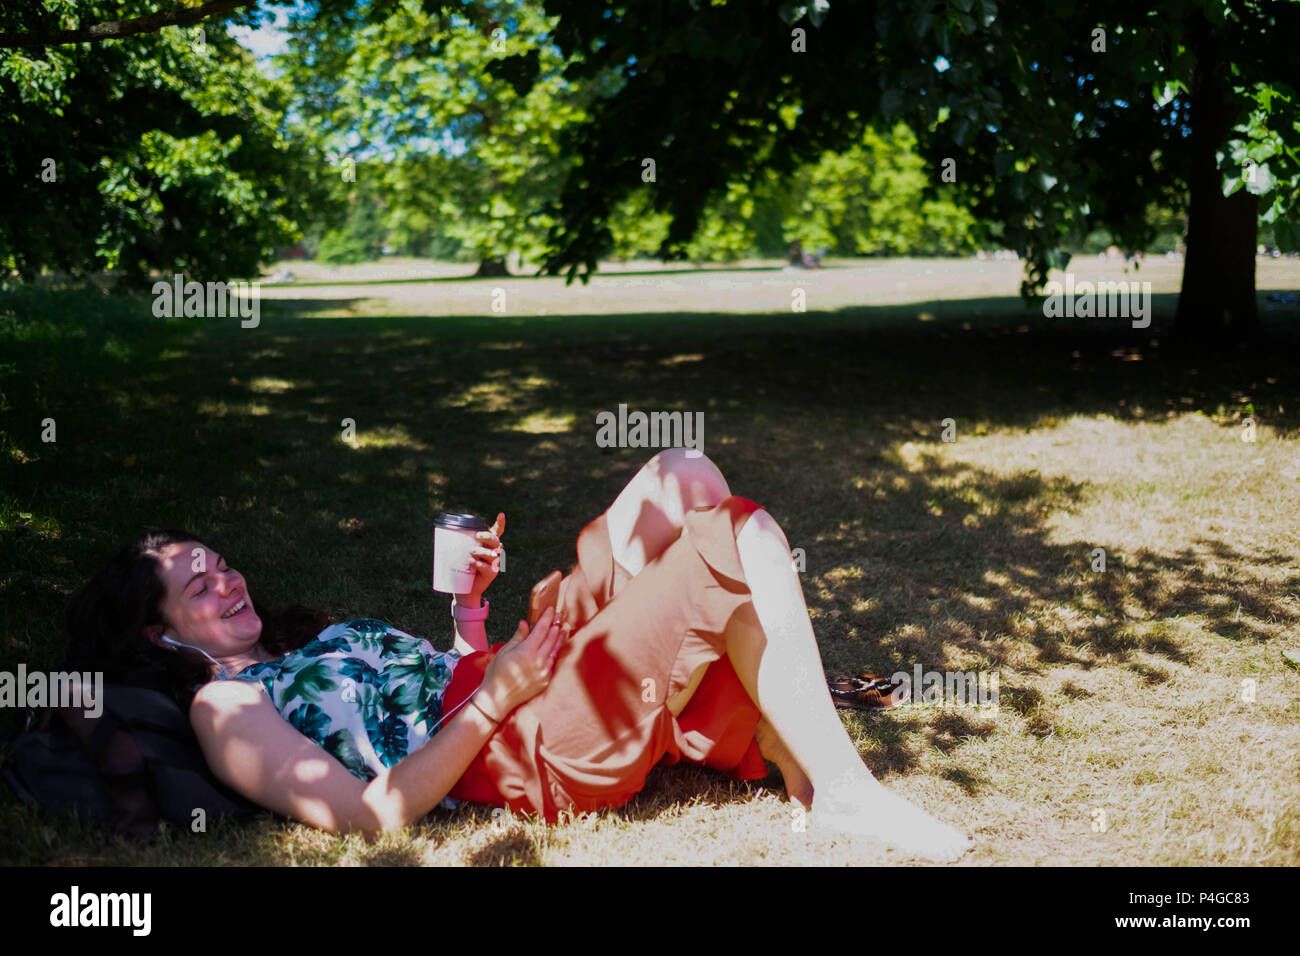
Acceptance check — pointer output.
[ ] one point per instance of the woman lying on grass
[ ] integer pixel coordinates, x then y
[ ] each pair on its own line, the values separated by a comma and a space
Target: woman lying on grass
680, 633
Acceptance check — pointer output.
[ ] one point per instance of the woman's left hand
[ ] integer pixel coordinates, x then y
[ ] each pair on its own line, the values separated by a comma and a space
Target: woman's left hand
487, 557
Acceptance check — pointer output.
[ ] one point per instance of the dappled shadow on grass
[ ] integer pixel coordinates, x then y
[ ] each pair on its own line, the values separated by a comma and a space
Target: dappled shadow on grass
407, 855
273, 310
670, 785
891, 751
239, 434
895, 747
244, 433
957, 542
508, 847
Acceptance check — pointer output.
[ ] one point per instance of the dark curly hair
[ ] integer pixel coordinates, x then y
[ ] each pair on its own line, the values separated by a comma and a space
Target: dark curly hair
105, 619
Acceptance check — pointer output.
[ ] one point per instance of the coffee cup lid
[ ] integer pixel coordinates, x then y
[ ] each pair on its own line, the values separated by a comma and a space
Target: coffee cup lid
460, 522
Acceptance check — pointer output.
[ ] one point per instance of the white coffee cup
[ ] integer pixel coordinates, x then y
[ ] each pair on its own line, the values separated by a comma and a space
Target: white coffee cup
454, 542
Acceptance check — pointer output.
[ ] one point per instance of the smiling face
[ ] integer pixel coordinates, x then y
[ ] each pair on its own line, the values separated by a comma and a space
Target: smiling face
202, 593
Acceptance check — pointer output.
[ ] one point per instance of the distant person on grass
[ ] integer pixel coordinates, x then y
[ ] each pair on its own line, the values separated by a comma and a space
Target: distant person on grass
681, 633
803, 259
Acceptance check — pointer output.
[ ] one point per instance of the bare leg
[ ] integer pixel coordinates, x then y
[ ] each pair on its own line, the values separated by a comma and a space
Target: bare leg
648, 513
775, 656
773, 748
646, 518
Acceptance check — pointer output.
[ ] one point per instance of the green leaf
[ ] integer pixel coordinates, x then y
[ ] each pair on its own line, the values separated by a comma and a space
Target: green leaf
890, 101
318, 646
1262, 181
310, 680
941, 34
388, 734
310, 721
361, 672
342, 746
1286, 235
790, 12
520, 71
1058, 259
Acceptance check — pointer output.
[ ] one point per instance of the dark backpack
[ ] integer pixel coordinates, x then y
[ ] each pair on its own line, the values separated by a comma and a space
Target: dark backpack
131, 768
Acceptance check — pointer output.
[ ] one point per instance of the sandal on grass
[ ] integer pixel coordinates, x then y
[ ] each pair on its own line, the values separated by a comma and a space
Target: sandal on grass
864, 692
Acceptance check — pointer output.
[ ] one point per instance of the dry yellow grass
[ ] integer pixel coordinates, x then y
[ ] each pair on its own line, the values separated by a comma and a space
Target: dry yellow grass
1153, 693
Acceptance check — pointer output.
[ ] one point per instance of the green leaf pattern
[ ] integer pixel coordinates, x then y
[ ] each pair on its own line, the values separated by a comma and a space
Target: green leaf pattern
366, 692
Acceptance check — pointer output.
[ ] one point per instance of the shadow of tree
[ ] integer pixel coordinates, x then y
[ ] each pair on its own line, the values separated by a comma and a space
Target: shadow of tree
669, 785
392, 856
239, 436
512, 847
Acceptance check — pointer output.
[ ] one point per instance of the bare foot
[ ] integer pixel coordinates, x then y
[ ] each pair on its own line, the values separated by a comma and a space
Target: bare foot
773, 748
866, 808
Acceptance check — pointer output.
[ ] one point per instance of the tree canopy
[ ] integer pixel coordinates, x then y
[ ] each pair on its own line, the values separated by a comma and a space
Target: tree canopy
460, 147
1056, 119
169, 150
1046, 122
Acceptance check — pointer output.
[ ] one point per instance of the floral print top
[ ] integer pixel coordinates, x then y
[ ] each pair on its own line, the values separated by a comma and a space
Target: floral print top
366, 692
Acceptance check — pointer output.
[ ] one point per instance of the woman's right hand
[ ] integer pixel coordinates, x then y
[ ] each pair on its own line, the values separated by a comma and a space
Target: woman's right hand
522, 669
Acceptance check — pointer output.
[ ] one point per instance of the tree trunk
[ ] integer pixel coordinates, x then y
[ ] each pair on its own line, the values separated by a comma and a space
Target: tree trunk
491, 268
1217, 302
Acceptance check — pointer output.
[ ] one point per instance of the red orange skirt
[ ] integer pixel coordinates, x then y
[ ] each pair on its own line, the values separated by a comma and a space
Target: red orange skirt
593, 736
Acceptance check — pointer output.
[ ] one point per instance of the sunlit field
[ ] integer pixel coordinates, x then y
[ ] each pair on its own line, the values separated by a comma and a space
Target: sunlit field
422, 287
1147, 714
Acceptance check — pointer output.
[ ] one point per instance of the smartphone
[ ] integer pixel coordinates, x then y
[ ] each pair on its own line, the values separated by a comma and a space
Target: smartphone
546, 593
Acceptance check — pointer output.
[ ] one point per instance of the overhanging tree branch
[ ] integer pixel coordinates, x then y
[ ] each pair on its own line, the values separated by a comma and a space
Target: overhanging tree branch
119, 29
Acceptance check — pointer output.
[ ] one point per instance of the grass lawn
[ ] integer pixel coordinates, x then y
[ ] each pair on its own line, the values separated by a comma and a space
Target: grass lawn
1121, 691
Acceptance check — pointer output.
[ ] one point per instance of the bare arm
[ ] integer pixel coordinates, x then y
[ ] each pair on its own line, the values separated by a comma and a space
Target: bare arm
487, 557
470, 635
255, 751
